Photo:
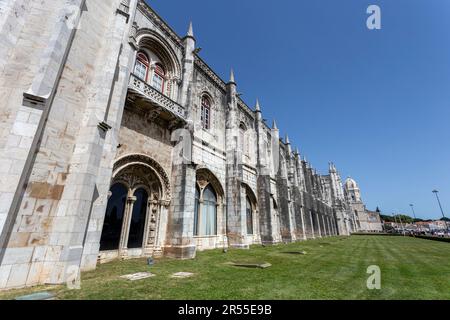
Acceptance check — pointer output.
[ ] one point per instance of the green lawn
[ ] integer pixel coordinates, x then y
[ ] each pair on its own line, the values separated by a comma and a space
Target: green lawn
333, 268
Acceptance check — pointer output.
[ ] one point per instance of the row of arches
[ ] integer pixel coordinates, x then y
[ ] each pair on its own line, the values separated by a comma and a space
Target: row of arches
138, 194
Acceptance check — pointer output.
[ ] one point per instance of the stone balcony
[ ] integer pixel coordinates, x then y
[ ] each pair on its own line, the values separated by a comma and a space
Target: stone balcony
153, 102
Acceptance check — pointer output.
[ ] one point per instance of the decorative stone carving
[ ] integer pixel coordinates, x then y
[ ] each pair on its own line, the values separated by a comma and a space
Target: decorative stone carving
134, 170
156, 97
205, 177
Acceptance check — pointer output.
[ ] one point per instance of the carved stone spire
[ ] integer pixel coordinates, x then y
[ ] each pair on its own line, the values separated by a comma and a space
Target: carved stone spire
232, 77
257, 106
190, 32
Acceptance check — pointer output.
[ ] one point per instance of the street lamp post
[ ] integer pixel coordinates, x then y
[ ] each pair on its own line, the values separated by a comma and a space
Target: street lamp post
440, 207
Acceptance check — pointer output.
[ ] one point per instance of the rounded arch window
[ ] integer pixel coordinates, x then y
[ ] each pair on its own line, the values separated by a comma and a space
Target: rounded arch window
142, 65
206, 112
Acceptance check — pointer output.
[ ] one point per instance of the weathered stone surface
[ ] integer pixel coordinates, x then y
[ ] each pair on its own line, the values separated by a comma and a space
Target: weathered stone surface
77, 118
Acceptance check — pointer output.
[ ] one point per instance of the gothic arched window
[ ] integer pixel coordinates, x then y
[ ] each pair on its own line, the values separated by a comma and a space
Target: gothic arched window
206, 213
249, 210
158, 77
141, 67
209, 212
206, 112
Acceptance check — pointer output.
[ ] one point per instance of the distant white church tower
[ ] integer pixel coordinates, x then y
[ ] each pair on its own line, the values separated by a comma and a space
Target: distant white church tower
362, 219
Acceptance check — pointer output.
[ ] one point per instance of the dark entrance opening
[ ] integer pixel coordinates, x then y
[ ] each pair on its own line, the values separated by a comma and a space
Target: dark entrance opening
137, 223
249, 216
112, 227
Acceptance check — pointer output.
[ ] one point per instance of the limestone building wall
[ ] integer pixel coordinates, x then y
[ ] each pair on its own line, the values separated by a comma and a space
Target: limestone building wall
80, 117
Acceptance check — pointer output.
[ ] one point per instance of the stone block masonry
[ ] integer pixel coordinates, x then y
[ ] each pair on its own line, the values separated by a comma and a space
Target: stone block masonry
118, 141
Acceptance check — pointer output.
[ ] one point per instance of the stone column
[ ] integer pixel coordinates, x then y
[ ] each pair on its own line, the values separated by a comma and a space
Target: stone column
180, 242
312, 225
330, 232
123, 247
324, 229
160, 232
319, 229
150, 228
303, 222
180, 227
233, 191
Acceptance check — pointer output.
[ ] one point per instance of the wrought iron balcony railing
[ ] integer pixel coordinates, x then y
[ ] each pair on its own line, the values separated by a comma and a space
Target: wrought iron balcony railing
148, 92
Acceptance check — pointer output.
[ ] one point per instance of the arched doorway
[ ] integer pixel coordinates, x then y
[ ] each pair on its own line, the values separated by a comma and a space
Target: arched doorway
139, 192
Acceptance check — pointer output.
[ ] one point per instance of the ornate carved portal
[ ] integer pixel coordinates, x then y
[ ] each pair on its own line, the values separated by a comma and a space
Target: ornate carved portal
139, 196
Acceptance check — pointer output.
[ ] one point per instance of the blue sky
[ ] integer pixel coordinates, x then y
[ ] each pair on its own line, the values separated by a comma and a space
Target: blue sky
377, 103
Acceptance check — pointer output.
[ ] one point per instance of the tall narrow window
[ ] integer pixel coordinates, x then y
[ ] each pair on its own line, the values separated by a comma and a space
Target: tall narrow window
137, 224
208, 217
158, 78
243, 145
205, 217
206, 113
112, 226
141, 67
249, 217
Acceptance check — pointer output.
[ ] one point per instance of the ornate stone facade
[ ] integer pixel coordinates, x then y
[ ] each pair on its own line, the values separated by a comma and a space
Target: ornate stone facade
117, 140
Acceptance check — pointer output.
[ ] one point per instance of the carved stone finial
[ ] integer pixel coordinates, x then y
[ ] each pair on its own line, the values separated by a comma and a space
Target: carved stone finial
232, 77
274, 125
257, 106
190, 32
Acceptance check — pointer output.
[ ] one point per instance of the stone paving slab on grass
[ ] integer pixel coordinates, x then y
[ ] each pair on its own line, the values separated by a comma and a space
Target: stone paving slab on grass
37, 296
182, 275
137, 276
